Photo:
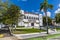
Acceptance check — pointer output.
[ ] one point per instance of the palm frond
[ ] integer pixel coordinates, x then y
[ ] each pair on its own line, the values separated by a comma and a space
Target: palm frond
50, 6
41, 7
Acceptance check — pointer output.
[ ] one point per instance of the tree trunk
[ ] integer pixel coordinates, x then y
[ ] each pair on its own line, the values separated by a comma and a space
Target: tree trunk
46, 21
9, 30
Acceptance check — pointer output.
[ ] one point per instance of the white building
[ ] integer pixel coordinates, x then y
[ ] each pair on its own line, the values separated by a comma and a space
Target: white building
30, 20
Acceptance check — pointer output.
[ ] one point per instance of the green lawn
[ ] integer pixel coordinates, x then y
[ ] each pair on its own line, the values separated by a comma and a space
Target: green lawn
20, 27
57, 29
38, 38
23, 31
45, 37
52, 36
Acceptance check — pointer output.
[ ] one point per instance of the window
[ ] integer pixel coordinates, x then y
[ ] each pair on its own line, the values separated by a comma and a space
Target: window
37, 18
32, 24
24, 17
34, 17
27, 17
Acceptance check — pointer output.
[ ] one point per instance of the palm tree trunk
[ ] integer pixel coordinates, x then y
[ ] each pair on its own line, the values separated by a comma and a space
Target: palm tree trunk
46, 21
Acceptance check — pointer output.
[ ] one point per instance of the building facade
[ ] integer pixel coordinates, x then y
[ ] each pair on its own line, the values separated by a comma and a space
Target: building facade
30, 20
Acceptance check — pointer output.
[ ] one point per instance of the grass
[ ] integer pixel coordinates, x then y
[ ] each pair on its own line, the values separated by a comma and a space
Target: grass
37, 38
52, 36
20, 26
24, 31
45, 37
57, 29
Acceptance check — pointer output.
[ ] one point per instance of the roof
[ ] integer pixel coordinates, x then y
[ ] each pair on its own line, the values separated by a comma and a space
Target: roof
31, 13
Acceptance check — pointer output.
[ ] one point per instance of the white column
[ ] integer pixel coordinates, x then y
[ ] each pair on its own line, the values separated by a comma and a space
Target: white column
40, 20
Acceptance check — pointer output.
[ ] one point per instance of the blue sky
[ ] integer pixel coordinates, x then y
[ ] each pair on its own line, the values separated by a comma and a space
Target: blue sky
33, 5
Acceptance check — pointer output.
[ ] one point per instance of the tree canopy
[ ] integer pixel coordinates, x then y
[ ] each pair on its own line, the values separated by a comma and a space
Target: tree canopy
49, 21
9, 13
57, 18
45, 5
12, 15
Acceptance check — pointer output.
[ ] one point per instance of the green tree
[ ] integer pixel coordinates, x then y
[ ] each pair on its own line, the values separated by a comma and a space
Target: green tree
57, 18
3, 9
49, 21
12, 15
45, 5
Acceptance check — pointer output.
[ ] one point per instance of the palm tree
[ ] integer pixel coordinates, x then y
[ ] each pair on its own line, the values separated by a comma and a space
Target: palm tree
45, 7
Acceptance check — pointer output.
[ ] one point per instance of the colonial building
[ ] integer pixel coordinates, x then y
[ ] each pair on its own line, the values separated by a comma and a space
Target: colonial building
30, 20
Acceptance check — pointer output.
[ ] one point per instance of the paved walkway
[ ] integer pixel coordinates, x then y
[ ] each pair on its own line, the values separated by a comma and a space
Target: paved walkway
25, 36
9, 38
30, 35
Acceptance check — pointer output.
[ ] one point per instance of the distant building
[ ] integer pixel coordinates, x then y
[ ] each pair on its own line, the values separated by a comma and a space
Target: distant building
54, 23
30, 20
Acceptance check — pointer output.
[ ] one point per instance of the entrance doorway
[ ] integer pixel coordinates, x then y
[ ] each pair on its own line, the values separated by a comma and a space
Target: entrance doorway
32, 24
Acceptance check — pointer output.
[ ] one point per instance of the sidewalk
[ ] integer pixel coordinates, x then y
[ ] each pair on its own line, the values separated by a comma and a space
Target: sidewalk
30, 35
9, 38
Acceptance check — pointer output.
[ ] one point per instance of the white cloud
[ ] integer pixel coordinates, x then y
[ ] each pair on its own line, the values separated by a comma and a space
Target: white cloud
42, 10
44, 14
57, 11
59, 5
48, 14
